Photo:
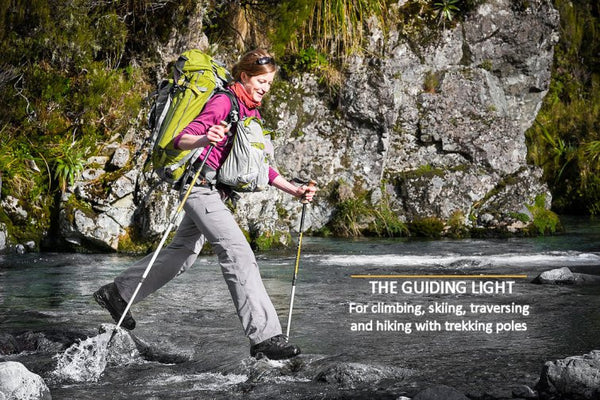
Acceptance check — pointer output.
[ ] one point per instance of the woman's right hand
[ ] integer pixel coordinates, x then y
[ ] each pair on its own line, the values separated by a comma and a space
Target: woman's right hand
216, 133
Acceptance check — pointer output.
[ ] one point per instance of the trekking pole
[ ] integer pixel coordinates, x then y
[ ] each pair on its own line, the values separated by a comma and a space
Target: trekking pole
164, 238
297, 265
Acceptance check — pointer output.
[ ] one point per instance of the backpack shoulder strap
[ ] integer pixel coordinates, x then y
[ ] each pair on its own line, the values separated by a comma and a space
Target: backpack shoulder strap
234, 114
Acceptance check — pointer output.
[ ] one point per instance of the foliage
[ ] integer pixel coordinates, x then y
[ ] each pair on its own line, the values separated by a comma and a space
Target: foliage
270, 240
428, 227
332, 27
68, 165
68, 85
544, 221
564, 139
445, 10
350, 217
385, 220
432, 82
357, 215
456, 227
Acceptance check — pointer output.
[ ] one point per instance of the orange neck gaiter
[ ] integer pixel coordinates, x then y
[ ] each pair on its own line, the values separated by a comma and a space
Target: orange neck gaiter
241, 94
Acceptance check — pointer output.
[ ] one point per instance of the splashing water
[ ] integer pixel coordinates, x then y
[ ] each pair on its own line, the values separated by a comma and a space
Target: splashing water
84, 361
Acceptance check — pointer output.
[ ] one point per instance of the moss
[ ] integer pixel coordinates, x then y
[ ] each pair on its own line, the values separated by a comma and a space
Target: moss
456, 227
33, 229
424, 171
486, 64
429, 227
519, 216
509, 180
130, 243
282, 213
324, 231
271, 240
432, 82
545, 221
73, 204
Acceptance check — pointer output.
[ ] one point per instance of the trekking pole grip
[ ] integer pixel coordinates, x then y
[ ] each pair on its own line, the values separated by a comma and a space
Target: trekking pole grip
310, 184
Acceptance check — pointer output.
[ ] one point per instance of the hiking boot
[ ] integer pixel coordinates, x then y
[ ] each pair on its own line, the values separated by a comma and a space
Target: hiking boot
275, 348
109, 298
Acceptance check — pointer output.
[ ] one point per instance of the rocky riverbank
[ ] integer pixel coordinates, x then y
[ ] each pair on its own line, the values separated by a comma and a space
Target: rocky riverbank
426, 137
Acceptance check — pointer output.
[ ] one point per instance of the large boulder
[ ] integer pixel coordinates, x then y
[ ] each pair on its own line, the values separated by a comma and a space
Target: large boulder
573, 378
355, 375
441, 123
18, 383
564, 276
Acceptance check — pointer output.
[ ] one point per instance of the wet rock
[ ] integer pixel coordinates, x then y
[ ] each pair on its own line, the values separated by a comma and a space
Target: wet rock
585, 279
494, 393
18, 383
38, 342
152, 353
574, 378
556, 276
564, 276
2, 238
122, 348
8, 344
264, 370
524, 392
440, 392
353, 375
20, 249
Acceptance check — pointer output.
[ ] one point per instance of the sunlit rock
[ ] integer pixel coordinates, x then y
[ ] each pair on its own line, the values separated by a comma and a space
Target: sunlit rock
353, 375
18, 383
576, 378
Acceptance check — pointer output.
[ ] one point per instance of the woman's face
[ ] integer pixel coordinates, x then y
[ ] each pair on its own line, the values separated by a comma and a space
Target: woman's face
257, 86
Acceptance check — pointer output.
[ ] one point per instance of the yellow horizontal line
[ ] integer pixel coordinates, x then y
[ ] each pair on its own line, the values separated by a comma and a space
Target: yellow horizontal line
438, 276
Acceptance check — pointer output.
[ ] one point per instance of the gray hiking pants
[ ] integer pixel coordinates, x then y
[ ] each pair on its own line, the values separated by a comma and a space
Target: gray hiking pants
208, 218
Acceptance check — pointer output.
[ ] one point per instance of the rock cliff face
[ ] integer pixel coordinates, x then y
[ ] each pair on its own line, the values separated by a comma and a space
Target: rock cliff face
434, 130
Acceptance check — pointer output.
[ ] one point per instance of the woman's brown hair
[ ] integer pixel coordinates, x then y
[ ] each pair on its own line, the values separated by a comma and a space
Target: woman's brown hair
255, 62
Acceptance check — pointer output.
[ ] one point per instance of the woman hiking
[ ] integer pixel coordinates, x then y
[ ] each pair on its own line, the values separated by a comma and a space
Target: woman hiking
207, 218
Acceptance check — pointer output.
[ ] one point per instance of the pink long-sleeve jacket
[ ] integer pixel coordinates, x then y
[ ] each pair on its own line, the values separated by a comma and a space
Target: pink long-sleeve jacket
217, 109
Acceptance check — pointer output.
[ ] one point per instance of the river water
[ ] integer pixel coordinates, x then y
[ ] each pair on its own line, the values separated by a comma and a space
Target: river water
413, 325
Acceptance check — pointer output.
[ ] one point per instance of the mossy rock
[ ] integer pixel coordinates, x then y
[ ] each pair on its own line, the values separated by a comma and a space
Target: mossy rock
428, 227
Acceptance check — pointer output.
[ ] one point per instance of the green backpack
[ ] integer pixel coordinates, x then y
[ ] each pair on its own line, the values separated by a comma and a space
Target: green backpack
177, 102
